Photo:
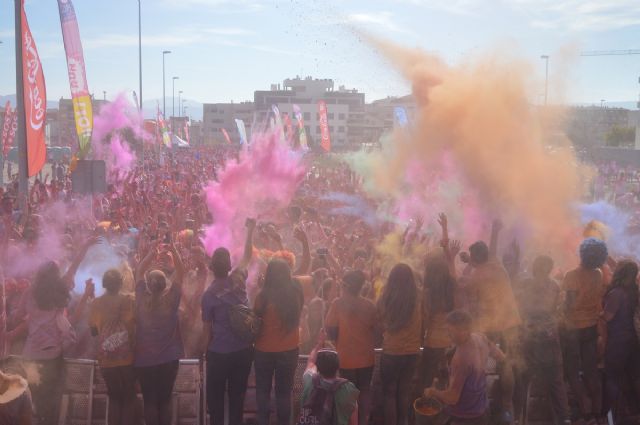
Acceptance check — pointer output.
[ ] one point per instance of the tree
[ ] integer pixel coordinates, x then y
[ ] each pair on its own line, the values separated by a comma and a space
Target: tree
621, 137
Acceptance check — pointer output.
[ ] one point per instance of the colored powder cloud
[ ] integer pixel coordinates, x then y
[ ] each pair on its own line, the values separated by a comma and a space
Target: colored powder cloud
260, 184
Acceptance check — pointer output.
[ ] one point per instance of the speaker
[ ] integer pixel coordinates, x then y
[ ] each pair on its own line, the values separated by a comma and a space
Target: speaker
90, 176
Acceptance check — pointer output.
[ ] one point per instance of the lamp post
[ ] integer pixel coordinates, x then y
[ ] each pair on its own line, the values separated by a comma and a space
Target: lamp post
173, 97
179, 103
104, 95
183, 107
602, 103
546, 77
140, 52
164, 98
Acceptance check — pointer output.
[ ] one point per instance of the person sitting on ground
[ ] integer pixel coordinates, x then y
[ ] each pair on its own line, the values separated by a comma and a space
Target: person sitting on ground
15, 400
327, 399
466, 397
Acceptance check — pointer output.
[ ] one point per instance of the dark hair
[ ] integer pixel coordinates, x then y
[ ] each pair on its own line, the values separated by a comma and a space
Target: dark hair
112, 281
479, 252
593, 253
459, 318
284, 293
354, 281
625, 277
439, 285
398, 299
49, 290
542, 266
328, 363
220, 263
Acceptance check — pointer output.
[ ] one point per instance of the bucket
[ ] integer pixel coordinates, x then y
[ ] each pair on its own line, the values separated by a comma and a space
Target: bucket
428, 411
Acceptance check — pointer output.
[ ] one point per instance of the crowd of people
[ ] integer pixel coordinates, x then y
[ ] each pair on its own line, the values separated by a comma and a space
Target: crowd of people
312, 283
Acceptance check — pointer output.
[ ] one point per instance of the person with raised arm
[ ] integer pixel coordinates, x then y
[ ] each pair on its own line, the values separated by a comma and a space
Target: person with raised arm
229, 356
158, 346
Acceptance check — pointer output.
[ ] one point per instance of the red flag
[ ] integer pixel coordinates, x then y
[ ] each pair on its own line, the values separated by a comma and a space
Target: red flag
6, 125
325, 141
226, 135
35, 100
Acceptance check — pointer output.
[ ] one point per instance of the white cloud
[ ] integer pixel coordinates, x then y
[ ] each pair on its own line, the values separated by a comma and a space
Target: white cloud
219, 6
580, 15
382, 20
173, 38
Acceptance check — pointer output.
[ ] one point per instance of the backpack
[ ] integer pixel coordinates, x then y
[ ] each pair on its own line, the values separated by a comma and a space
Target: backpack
319, 408
244, 322
114, 342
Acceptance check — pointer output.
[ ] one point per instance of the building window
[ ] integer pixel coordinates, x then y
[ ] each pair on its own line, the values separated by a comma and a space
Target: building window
317, 129
330, 116
341, 116
331, 129
341, 129
307, 116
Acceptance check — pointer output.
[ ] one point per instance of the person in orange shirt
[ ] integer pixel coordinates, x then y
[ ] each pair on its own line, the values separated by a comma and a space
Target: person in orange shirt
496, 314
279, 304
351, 323
401, 314
584, 288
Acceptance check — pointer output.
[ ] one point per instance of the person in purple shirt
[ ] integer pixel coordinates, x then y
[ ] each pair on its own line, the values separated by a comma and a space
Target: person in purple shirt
158, 341
621, 349
229, 357
466, 397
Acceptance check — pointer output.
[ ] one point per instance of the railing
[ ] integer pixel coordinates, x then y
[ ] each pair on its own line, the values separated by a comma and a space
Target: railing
85, 400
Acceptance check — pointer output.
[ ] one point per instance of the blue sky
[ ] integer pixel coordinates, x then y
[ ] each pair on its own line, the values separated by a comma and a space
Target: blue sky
224, 50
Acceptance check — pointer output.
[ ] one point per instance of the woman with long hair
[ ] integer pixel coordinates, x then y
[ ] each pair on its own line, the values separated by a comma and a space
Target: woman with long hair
400, 311
619, 340
279, 304
158, 342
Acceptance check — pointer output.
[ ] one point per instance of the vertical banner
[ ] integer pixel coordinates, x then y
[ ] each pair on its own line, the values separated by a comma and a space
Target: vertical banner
400, 116
137, 103
6, 126
12, 134
325, 141
163, 130
288, 128
82, 108
187, 123
278, 122
303, 136
226, 135
35, 100
242, 130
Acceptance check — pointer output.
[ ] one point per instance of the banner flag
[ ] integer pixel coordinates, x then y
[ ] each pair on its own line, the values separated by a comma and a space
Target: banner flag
80, 96
242, 130
226, 135
35, 100
6, 126
303, 135
325, 141
400, 116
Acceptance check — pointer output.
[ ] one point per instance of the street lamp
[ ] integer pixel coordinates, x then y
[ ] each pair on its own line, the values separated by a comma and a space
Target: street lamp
183, 107
179, 103
104, 95
546, 77
173, 97
602, 103
164, 98
140, 51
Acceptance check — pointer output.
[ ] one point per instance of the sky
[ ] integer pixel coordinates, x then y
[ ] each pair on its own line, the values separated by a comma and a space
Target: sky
223, 50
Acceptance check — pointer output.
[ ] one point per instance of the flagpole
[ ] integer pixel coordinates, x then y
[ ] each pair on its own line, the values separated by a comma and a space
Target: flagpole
21, 132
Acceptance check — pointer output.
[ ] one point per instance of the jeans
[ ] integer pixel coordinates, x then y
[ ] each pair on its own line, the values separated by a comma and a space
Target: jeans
47, 396
227, 372
396, 373
157, 383
581, 355
622, 383
432, 364
361, 378
121, 389
283, 366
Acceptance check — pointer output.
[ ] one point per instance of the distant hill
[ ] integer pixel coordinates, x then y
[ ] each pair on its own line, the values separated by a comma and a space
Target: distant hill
51, 104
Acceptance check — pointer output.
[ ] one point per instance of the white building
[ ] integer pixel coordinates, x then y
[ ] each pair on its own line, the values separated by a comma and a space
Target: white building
345, 108
216, 116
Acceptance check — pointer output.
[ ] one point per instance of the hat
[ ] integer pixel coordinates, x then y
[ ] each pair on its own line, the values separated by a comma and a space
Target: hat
17, 386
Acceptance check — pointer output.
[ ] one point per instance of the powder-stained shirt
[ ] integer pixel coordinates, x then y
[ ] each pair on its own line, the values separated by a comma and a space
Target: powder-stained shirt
47, 331
108, 309
491, 298
355, 319
158, 339
408, 339
467, 376
216, 301
587, 287
274, 337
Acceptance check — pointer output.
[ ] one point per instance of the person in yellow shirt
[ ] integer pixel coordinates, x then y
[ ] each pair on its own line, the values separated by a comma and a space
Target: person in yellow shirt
400, 312
112, 321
